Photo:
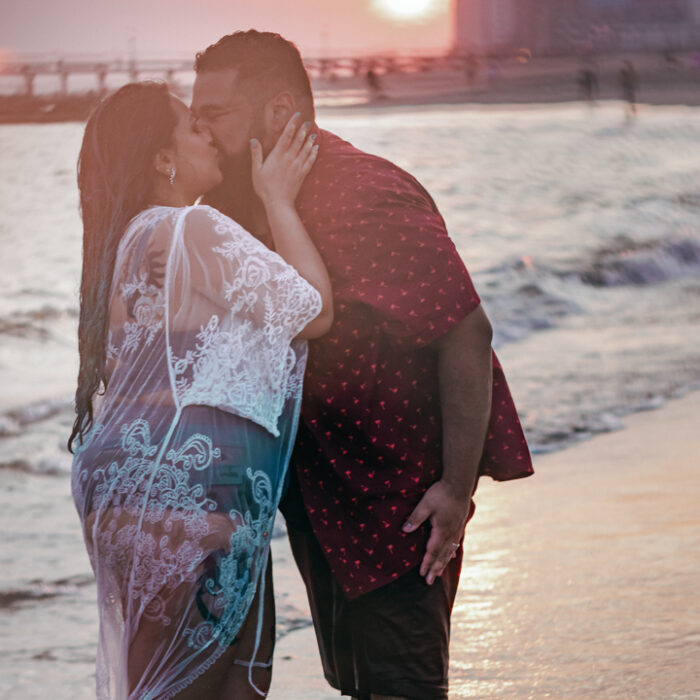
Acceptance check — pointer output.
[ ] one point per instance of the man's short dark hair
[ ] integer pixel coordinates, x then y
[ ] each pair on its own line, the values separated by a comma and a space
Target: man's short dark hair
263, 60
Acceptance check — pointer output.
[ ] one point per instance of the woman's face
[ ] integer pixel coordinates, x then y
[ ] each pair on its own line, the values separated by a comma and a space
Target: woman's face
196, 158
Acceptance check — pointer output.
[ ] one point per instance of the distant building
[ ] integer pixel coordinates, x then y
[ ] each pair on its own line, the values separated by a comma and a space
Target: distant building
548, 27
484, 26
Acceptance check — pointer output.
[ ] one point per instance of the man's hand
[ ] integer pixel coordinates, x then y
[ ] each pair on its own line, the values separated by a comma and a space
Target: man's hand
447, 512
464, 368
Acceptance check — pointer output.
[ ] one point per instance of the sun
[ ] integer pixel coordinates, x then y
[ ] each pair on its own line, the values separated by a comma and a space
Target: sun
407, 9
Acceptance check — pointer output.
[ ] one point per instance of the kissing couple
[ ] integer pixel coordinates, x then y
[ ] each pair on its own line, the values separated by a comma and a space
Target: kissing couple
307, 339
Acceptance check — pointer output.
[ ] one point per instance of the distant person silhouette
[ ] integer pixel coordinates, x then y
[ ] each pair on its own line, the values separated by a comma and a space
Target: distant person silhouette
629, 83
471, 68
671, 61
493, 69
374, 85
587, 81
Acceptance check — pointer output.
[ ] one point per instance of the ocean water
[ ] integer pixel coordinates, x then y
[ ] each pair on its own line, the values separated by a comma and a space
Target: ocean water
582, 234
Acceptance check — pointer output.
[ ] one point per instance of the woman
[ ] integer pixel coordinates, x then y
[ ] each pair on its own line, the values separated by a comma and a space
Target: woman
193, 332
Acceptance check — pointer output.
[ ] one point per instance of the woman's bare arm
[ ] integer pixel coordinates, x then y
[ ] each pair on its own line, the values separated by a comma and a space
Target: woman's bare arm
277, 180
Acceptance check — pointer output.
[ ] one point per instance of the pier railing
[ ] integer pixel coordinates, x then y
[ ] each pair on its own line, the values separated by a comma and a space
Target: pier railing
63, 69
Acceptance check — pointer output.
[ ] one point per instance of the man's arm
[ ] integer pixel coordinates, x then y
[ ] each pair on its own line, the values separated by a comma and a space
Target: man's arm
465, 375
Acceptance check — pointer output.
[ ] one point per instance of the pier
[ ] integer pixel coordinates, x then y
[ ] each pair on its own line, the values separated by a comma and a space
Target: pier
64, 69
168, 69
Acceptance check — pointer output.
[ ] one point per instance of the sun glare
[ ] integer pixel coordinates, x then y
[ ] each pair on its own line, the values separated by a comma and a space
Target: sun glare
407, 9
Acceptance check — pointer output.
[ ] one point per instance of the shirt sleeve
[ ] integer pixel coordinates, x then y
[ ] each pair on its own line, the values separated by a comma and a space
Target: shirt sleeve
398, 258
223, 269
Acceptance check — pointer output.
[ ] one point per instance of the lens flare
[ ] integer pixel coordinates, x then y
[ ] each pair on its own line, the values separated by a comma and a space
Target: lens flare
407, 9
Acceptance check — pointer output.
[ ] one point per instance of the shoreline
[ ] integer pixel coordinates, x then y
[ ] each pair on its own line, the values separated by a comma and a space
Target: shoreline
485, 101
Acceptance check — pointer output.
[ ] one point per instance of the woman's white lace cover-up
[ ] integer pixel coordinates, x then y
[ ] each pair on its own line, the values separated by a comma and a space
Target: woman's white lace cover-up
178, 481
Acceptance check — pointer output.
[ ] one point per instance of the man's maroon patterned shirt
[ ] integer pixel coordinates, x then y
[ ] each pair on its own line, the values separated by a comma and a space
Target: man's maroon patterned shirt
370, 435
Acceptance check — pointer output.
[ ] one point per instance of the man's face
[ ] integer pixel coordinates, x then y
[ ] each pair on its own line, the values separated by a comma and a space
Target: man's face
229, 113
233, 116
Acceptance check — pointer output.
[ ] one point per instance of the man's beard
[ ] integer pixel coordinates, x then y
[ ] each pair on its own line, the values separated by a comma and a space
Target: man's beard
235, 195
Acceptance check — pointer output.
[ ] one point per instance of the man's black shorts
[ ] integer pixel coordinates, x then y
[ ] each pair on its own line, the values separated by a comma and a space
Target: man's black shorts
391, 641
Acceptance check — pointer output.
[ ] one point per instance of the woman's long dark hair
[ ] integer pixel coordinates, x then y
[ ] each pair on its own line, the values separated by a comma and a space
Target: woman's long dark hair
116, 174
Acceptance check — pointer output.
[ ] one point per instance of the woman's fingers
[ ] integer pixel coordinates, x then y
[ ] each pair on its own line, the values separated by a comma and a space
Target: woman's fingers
281, 174
304, 151
287, 137
292, 139
300, 138
309, 153
256, 154
307, 145
307, 148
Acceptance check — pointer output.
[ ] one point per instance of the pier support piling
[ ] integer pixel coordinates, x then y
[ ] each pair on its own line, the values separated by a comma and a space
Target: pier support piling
63, 75
29, 76
101, 80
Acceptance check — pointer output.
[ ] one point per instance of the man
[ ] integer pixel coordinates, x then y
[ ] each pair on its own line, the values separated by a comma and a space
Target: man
629, 83
398, 419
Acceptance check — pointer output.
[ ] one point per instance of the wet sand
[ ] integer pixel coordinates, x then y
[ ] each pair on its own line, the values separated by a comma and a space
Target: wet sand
580, 582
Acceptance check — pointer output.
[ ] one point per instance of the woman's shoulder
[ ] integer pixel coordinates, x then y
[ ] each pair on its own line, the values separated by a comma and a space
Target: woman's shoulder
206, 223
151, 225
166, 224
203, 216
200, 229
152, 215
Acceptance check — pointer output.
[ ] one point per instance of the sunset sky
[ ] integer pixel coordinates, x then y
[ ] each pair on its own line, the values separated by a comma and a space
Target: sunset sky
181, 27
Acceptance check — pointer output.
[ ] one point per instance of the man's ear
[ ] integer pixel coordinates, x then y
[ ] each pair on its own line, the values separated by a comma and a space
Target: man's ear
277, 112
164, 161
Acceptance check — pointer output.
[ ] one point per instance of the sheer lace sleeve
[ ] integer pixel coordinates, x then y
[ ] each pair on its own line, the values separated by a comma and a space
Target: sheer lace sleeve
233, 309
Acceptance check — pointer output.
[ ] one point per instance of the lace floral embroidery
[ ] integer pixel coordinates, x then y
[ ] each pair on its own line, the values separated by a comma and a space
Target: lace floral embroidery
243, 359
146, 305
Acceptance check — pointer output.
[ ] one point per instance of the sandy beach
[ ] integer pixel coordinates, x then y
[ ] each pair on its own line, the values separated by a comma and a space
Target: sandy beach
580, 582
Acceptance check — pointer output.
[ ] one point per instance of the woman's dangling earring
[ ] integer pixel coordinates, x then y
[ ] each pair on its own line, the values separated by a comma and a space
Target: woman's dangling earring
172, 176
